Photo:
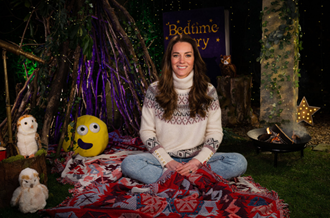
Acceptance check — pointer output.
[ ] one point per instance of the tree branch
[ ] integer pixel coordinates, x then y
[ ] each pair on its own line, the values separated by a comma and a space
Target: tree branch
69, 105
139, 36
20, 45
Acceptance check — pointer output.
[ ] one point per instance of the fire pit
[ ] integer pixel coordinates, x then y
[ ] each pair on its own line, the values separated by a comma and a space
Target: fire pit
277, 140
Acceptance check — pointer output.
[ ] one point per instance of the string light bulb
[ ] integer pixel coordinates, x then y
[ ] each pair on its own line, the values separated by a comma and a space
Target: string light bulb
305, 112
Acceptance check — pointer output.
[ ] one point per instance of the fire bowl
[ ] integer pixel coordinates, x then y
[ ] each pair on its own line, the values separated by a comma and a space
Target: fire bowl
277, 148
255, 133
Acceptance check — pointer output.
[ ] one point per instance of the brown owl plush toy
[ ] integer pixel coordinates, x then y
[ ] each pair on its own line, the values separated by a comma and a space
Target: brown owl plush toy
228, 69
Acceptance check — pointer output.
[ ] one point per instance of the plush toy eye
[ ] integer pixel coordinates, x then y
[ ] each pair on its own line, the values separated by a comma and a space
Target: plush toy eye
25, 123
82, 130
94, 127
32, 121
26, 181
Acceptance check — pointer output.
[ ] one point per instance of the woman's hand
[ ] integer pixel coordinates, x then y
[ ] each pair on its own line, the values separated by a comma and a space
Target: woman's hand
188, 168
173, 165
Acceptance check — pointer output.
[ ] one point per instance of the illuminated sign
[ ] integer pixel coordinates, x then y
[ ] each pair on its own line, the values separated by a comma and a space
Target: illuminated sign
206, 26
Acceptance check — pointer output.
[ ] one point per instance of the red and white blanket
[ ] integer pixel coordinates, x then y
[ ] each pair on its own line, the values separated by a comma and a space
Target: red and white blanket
102, 191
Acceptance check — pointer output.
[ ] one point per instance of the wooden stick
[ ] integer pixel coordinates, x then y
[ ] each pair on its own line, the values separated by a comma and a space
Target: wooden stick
10, 134
18, 51
139, 36
69, 105
35, 87
11, 149
77, 106
120, 30
18, 102
20, 45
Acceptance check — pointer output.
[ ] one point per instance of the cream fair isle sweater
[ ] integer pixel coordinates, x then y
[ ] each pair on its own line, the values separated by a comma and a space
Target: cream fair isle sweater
182, 136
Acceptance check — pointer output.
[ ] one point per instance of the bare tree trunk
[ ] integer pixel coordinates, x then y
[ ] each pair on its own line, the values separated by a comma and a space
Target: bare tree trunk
68, 108
55, 92
77, 109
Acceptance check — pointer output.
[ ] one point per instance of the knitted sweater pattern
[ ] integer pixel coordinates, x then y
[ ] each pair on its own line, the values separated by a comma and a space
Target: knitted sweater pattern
160, 136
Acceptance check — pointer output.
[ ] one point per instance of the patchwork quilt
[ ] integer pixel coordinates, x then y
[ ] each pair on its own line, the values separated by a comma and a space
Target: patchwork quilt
102, 191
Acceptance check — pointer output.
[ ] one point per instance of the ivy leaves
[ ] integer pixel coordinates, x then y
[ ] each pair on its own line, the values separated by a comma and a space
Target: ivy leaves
80, 30
275, 56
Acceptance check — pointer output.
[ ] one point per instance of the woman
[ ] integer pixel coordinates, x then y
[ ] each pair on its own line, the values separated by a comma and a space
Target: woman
181, 121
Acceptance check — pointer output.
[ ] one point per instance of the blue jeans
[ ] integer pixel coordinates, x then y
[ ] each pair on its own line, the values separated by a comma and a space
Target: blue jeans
147, 169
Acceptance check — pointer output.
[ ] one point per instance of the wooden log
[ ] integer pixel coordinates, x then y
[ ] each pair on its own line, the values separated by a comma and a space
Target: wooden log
235, 99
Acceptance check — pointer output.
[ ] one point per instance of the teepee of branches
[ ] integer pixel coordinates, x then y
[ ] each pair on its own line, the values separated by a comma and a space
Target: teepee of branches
95, 60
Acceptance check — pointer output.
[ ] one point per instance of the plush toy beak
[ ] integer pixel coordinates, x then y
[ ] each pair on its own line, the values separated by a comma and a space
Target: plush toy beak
31, 126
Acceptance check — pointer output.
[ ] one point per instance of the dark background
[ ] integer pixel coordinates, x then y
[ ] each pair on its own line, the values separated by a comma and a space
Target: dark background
245, 26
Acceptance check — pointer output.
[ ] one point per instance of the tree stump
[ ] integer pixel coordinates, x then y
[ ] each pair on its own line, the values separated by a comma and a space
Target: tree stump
235, 99
9, 173
279, 90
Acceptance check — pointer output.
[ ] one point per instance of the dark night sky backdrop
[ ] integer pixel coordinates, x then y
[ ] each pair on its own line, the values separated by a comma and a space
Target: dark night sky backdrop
245, 28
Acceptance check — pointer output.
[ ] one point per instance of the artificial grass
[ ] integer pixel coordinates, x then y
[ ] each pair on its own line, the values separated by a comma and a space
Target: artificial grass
303, 183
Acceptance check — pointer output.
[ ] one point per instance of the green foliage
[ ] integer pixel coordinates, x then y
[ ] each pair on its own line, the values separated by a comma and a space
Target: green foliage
41, 152
66, 26
278, 40
13, 159
79, 30
151, 32
16, 65
72, 139
21, 157
63, 26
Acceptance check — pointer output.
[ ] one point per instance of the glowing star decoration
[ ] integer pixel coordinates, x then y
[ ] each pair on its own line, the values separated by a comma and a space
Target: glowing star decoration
305, 112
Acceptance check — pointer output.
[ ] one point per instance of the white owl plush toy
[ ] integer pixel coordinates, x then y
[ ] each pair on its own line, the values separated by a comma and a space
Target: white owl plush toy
28, 140
31, 196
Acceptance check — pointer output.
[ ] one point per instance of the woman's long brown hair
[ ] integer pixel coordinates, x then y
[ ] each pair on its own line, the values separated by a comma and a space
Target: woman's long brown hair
167, 98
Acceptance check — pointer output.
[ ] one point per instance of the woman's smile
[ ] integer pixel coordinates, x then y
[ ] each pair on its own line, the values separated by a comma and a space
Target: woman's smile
182, 59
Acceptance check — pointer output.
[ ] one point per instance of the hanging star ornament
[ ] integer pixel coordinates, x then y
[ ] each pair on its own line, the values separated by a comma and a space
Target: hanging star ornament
305, 112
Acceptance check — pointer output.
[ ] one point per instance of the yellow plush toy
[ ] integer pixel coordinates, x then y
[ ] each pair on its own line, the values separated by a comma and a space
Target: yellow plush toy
91, 136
